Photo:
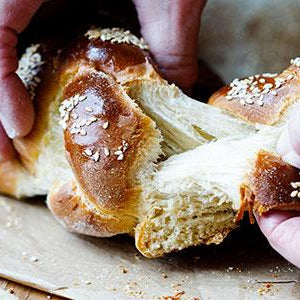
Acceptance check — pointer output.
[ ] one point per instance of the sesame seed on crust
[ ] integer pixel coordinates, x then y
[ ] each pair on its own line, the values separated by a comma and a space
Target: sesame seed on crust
252, 90
296, 62
105, 125
296, 186
116, 36
29, 68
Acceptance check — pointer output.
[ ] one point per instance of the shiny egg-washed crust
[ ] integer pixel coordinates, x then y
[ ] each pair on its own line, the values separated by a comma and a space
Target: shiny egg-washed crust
107, 188
67, 205
274, 105
269, 186
108, 182
123, 62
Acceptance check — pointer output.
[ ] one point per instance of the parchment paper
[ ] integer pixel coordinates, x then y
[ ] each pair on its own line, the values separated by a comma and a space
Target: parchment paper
37, 251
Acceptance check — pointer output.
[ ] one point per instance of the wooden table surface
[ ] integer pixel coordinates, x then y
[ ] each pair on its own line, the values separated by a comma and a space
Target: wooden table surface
23, 292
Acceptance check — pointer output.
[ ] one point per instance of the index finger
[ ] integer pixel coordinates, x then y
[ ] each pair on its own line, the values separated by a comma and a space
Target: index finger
16, 110
282, 229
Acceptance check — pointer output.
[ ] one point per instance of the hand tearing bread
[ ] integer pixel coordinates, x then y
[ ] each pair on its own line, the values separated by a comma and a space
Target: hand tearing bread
118, 149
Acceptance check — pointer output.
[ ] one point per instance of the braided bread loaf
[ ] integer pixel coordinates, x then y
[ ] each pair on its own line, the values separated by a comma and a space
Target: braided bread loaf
118, 150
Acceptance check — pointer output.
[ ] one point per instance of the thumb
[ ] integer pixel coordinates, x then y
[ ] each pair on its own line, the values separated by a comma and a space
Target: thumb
171, 28
16, 110
289, 142
282, 230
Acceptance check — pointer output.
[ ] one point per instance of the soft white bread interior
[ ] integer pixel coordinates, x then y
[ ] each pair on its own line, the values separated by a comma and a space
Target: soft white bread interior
200, 195
184, 122
194, 196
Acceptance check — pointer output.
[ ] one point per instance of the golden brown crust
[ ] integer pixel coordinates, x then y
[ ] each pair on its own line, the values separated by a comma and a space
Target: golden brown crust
67, 206
108, 179
265, 98
9, 172
125, 62
109, 142
272, 185
105, 152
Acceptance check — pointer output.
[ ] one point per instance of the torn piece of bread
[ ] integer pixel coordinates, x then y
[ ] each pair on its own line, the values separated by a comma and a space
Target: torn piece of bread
184, 122
200, 195
193, 197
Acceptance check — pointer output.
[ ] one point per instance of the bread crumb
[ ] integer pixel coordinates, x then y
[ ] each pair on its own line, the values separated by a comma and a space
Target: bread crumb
123, 269
132, 289
177, 296
11, 291
237, 269
266, 288
34, 259
173, 285
137, 256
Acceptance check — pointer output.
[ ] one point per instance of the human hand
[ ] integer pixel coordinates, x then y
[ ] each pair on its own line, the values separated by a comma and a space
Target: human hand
171, 28
16, 110
282, 229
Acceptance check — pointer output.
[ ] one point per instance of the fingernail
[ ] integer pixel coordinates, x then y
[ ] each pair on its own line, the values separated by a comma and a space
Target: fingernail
10, 131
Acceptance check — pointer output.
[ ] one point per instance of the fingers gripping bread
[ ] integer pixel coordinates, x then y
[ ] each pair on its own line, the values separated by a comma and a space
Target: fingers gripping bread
208, 189
95, 149
43, 149
217, 182
200, 195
